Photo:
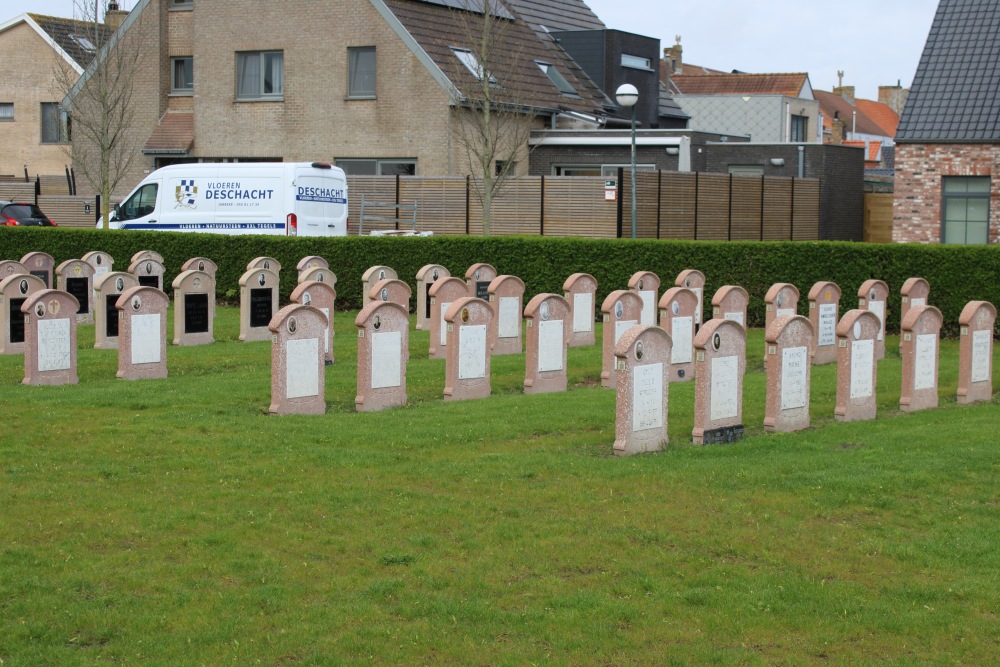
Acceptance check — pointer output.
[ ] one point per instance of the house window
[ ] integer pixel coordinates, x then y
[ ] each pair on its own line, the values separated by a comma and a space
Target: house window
636, 62
557, 79
84, 43
800, 124
183, 75
6, 111
378, 167
746, 170
55, 124
965, 209
361, 74
182, 4
606, 171
471, 62
260, 75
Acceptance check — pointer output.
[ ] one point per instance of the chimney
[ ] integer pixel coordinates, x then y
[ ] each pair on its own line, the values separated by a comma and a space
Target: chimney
845, 91
114, 17
673, 55
894, 96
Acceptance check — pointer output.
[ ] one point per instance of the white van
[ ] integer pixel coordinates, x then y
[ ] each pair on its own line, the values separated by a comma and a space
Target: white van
291, 198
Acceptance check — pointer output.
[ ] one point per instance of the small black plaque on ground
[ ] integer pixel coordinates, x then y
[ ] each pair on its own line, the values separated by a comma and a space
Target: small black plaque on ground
722, 436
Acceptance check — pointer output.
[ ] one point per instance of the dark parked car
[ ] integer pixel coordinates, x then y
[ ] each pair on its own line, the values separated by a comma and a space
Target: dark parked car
20, 214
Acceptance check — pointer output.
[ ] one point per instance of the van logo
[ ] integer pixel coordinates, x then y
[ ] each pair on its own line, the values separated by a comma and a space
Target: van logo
185, 193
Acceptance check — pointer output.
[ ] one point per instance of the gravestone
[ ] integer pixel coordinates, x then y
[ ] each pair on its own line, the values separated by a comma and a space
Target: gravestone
647, 285
548, 328
269, 263
857, 332
142, 340
580, 290
318, 274
194, 308
383, 350
298, 378
975, 352
108, 288
872, 296
203, 264
393, 290
427, 276
720, 363
677, 310
146, 254
443, 293
41, 265
258, 303
506, 296
730, 303
789, 371
9, 267
322, 296
914, 292
372, 276
76, 277
311, 262
478, 278
920, 332
824, 313
621, 311
50, 338
14, 292
148, 272
642, 357
467, 369
694, 280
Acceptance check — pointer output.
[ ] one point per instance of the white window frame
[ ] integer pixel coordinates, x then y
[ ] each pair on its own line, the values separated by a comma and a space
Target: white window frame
262, 56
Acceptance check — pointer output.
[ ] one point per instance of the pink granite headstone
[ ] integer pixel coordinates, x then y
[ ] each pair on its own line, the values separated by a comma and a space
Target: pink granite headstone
9, 267
921, 335
14, 292
788, 369
720, 363
427, 276
547, 336
42, 266
297, 368
641, 360
372, 276
50, 338
478, 278
975, 355
467, 370
647, 285
148, 272
506, 296
322, 296
857, 332
318, 274
383, 350
621, 311
108, 288
391, 289
142, 339
101, 262
872, 296
269, 263
824, 313
694, 280
677, 317
146, 254
580, 290
194, 308
311, 262
914, 292
443, 293
203, 264
781, 299
76, 277
258, 303
730, 303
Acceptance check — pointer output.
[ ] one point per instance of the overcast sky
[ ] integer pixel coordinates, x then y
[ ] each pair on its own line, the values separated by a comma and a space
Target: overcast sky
875, 42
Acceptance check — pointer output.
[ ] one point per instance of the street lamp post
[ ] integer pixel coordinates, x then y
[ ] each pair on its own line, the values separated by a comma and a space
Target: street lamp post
627, 95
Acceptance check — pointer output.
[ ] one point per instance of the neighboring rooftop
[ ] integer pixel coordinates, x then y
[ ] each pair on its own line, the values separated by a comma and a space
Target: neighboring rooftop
838, 107
79, 39
557, 14
790, 85
882, 114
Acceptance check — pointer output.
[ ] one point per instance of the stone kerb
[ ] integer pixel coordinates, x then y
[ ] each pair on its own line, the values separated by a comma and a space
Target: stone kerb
107, 289
856, 367
580, 290
478, 278
824, 313
318, 274
14, 292
383, 351
914, 292
146, 254
194, 307
975, 356
427, 276
297, 368
621, 311
322, 296
76, 277
920, 332
641, 360
506, 298
720, 363
258, 303
142, 340
269, 263
443, 293
372, 276
311, 262
203, 264
872, 297
789, 373
694, 280
548, 328
50, 338
730, 302
9, 267
467, 370
391, 289
149, 272
41, 265
677, 316
647, 285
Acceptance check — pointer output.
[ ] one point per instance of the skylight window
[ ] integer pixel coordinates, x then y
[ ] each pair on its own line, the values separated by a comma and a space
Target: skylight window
472, 64
556, 78
84, 43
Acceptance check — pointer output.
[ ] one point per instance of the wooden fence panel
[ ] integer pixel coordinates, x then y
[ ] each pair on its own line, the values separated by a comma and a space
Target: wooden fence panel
517, 209
440, 203
713, 207
805, 215
647, 184
777, 208
380, 189
746, 208
69, 210
677, 205
575, 206
878, 217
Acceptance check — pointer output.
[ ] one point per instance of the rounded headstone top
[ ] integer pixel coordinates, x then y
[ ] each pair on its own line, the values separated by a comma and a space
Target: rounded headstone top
312, 262
819, 291
21, 284
380, 290
449, 285
644, 280
98, 258
507, 283
269, 263
481, 271
644, 342
380, 308
53, 302
147, 266
777, 289
727, 290
312, 287
546, 306
846, 329
201, 264
580, 281
687, 300
259, 278
186, 280
147, 254
75, 268
378, 272
789, 325
112, 277
625, 297
432, 272
9, 267
690, 278
296, 318
974, 311
468, 308
38, 259
915, 287
143, 298
873, 289
922, 317
704, 338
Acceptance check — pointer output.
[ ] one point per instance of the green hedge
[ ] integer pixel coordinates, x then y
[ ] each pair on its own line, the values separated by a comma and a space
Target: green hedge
956, 274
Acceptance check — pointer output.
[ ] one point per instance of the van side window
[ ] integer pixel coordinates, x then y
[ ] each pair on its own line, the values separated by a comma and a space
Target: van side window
141, 203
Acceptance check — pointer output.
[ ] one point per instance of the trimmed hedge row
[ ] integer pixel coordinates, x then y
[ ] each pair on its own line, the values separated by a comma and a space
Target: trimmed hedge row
957, 274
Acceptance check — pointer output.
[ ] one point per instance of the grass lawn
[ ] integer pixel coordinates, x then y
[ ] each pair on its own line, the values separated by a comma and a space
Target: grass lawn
175, 522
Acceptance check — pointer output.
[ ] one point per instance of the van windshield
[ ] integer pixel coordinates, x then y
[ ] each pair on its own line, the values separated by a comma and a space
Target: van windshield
140, 204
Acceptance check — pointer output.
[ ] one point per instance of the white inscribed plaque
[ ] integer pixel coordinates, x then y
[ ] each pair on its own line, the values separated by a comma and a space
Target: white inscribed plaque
794, 365
827, 324
680, 334
982, 350
53, 345
621, 326
700, 293
472, 352
550, 346
444, 325
647, 397
146, 339
326, 331
735, 317
387, 353
302, 368
783, 312
877, 308
510, 324
648, 315
725, 399
925, 361
862, 364
919, 301
583, 312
